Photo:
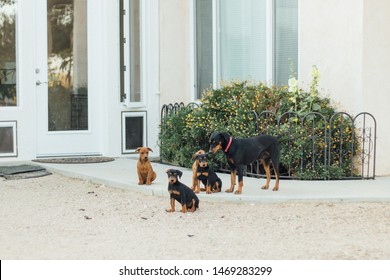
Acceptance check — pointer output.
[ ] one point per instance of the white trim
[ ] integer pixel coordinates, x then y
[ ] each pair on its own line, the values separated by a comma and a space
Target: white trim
125, 115
216, 42
13, 125
270, 51
127, 50
145, 27
192, 50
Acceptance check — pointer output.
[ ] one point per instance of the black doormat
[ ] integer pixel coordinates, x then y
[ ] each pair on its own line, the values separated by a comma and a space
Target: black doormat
24, 171
75, 160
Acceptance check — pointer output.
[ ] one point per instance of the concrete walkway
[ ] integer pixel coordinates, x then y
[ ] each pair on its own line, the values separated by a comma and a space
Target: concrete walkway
122, 173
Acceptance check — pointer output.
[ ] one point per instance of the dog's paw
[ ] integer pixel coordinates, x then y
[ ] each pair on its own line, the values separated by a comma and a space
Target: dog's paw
265, 187
237, 192
169, 210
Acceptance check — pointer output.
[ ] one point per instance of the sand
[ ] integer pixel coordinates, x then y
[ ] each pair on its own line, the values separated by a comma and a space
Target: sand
57, 217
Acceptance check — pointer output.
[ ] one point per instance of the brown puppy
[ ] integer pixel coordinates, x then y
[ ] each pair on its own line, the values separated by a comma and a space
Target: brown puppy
195, 184
146, 175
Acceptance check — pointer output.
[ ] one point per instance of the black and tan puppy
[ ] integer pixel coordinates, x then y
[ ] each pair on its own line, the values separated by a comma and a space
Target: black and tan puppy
241, 152
181, 193
207, 176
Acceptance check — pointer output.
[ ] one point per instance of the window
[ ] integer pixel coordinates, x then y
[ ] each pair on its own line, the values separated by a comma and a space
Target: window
285, 39
133, 131
8, 93
251, 39
130, 26
8, 139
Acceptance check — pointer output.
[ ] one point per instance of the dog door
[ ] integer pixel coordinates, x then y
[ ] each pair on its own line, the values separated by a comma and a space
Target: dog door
133, 131
8, 139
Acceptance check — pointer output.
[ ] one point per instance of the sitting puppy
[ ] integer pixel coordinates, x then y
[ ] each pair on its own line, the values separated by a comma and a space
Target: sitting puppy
207, 175
146, 175
195, 183
180, 192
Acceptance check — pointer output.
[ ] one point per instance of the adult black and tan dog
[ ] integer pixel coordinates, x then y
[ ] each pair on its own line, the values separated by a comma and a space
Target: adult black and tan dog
181, 193
243, 151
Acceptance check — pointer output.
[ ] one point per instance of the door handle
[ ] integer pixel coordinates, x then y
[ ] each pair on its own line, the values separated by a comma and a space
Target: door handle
38, 82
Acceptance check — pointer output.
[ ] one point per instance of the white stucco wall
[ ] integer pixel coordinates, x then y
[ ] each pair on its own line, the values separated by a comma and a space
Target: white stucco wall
350, 43
330, 36
175, 51
376, 74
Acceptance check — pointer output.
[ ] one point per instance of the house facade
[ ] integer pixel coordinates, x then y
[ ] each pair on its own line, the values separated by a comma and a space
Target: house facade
83, 77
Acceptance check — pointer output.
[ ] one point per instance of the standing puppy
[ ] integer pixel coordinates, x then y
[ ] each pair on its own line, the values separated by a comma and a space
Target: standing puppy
146, 175
195, 183
180, 193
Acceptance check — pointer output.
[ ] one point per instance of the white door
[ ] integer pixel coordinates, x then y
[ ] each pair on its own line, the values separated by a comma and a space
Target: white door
67, 121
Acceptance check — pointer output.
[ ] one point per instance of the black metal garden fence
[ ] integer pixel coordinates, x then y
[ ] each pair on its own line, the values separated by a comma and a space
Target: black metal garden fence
331, 144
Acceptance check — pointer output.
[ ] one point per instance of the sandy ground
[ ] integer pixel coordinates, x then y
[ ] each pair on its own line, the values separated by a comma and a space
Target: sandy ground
57, 217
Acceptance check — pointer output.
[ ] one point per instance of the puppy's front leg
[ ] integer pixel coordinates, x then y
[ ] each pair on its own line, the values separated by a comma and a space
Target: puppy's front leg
140, 179
149, 177
197, 188
208, 188
172, 206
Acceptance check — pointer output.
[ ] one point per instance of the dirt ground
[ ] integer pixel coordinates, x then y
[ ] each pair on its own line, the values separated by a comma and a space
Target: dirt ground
57, 217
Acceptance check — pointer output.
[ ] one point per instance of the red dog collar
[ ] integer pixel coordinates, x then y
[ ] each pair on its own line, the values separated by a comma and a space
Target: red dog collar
228, 146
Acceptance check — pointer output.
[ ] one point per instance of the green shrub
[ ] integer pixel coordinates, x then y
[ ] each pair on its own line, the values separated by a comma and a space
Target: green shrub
303, 133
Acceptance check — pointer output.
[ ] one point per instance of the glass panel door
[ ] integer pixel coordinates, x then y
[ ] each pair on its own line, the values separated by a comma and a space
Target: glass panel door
8, 94
67, 67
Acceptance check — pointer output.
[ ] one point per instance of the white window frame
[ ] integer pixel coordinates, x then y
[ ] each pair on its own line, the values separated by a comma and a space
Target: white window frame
126, 54
144, 136
13, 125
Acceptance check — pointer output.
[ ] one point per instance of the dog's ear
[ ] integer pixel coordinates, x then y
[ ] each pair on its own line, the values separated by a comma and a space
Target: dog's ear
225, 136
138, 149
179, 173
149, 149
195, 156
213, 136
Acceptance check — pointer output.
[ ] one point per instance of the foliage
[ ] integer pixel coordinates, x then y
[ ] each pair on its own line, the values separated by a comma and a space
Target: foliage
299, 119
